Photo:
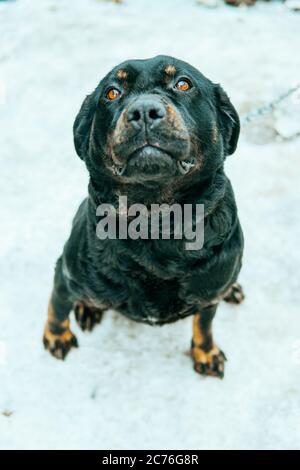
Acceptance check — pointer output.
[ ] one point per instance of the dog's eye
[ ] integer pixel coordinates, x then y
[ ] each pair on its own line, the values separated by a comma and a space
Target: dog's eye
183, 85
113, 94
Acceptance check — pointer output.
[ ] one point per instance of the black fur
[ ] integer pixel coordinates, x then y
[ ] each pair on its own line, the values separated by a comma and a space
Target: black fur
154, 281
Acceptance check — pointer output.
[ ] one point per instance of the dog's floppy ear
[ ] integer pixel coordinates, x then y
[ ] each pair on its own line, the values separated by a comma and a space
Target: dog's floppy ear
83, 123
229, 120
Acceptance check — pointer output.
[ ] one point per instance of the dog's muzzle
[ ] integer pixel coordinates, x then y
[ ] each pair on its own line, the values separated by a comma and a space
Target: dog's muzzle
151, 140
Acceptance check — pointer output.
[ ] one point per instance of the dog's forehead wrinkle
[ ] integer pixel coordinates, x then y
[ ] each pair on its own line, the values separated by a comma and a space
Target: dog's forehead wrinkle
145, 80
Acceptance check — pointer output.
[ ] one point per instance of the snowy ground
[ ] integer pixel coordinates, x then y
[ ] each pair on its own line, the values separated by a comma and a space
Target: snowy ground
130, 385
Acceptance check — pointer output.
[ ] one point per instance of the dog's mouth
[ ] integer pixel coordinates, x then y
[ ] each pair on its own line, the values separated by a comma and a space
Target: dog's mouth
153, 161
185, 166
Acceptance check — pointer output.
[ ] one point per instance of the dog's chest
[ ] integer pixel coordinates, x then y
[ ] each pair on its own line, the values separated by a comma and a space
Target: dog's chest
153, 300
150, 285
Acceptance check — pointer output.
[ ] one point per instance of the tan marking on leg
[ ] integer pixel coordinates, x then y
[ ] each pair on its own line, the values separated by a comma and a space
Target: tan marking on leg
198, 337
208, 358
52, 318
58, 338
64, 336
204, 357
209, 362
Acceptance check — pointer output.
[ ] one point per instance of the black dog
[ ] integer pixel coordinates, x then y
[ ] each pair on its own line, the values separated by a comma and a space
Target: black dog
155, 131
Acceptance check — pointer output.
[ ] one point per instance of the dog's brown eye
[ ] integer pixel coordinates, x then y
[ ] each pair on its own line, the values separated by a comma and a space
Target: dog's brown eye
183, 85
113, 94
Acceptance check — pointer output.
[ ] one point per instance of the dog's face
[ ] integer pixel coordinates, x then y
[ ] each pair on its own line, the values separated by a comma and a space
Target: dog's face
155, 120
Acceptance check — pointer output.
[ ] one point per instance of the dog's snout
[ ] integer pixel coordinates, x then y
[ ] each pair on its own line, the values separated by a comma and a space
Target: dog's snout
147, 112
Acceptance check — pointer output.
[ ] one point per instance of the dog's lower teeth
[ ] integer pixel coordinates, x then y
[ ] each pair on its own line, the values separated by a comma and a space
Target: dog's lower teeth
185, 166
118, 170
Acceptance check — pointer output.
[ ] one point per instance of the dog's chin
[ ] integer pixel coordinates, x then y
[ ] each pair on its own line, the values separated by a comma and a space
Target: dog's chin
152, 163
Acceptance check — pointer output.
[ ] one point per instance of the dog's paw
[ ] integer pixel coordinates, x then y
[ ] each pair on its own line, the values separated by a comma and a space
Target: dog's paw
59, 344
235, 295
209, 363
237, 3
87, 317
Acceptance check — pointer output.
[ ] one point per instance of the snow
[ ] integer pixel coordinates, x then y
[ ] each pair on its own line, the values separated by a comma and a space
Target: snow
131, 385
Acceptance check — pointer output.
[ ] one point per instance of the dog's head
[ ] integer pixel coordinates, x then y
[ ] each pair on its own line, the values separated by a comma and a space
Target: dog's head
154, 120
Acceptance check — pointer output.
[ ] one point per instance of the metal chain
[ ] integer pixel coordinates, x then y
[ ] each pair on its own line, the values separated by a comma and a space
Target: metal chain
268, 108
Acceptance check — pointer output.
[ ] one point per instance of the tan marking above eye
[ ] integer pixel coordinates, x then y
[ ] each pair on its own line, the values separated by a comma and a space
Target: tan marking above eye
122, 74
113, 94
183, 85
170, 70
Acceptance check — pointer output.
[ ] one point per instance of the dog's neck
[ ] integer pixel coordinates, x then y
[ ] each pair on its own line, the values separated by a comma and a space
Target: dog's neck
207, 191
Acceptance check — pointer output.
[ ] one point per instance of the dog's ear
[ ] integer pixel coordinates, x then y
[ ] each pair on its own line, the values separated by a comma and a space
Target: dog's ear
228, 120
83, 123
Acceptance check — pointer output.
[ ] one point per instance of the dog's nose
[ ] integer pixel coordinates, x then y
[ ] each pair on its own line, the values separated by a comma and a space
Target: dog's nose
146, 112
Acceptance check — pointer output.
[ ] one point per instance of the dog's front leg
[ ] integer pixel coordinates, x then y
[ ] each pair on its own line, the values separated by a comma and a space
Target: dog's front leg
208, 358
58, 339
